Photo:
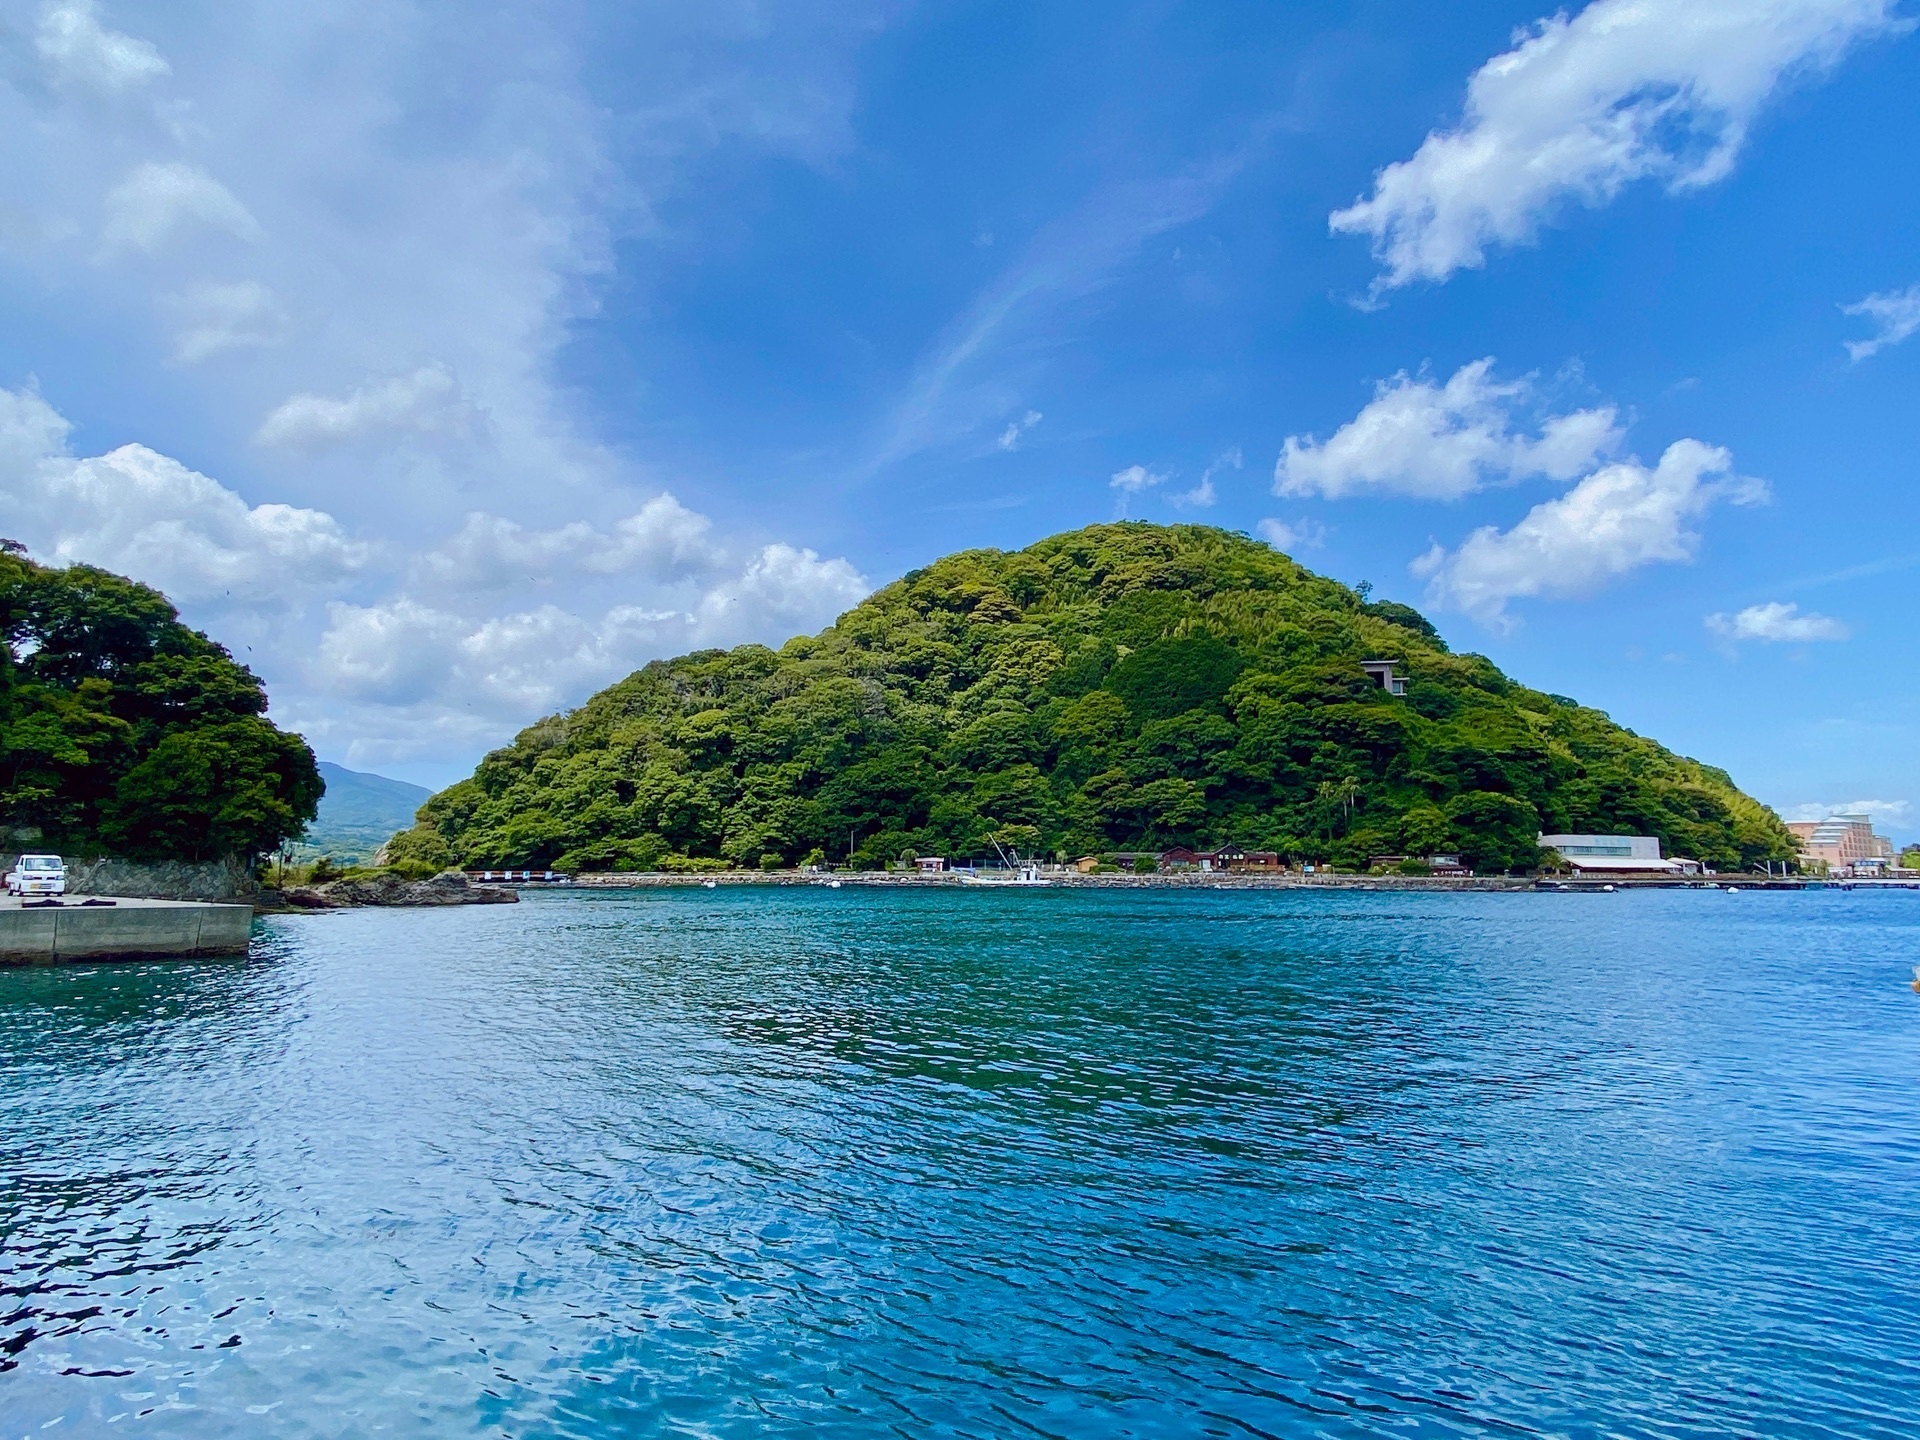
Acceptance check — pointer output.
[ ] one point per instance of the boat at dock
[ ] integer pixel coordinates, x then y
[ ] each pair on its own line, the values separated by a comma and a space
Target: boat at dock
1017, 870
1028, 874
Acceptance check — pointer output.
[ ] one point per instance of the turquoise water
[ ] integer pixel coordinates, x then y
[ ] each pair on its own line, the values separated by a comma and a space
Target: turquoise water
1019, 1163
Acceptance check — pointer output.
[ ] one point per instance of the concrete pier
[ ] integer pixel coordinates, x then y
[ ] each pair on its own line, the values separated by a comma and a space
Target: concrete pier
31, 934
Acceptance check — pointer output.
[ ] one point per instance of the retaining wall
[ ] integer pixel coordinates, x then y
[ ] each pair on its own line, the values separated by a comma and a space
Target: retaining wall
229, 879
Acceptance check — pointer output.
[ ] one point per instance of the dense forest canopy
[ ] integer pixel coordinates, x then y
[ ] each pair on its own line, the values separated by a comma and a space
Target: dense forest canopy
122, 730
1125, 686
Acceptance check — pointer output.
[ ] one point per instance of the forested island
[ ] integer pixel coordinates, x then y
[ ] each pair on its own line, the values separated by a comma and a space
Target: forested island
124, 731
1125, 686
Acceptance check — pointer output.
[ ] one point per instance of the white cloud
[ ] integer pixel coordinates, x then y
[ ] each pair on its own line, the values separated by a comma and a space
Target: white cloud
1132, 482
140, 513
1439, 442
427, 401
403, 653
1896, 316
32, 433
1618, 519
1202, 495
1582, 107
78, 49
152, 204
1010, 437
1292, 535
215, 318
421, 183
1776, 622
427, 657
394, 653
662, 541
782, 592
520, 665
417, 183
1895, 810
1135, 479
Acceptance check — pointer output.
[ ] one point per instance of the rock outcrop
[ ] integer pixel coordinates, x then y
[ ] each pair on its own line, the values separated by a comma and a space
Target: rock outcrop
449, 887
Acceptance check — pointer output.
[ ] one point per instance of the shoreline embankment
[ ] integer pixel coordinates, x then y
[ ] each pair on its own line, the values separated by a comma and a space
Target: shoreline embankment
80, 928
1417, 884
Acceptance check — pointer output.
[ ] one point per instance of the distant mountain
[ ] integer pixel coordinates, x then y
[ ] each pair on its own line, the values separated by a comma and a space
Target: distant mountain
359, 812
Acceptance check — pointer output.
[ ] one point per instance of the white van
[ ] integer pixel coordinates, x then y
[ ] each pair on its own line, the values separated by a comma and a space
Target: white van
37, 875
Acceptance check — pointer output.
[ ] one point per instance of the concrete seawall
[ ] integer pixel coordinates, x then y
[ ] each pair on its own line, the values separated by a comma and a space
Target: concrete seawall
125, 930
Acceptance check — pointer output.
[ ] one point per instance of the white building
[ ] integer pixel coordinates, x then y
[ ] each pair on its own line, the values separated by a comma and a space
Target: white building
1381, 673
1616, 855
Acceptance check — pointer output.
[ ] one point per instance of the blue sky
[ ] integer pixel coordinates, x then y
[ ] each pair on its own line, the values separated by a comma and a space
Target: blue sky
447, 365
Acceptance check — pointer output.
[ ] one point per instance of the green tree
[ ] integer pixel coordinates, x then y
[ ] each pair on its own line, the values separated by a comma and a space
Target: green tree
1425, 829
233, 789
1494, 832
1336, 799
121, 727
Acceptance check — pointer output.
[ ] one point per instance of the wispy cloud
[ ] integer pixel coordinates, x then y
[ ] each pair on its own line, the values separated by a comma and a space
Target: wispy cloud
1010, 437
1777, 623
959, 385
1895, 810
216, 318
156, 202
1291, 535
1202, 495
79, 50
1866, 569
1132, 482
1895, 314
427, 401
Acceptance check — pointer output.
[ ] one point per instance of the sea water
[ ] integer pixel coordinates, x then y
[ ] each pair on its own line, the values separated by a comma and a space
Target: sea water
932, 1162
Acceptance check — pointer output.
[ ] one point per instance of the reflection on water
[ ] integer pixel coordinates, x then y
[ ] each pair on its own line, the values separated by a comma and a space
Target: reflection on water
935, 1162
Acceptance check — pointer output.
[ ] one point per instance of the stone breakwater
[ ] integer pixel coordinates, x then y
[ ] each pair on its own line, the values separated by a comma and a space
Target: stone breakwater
449, 887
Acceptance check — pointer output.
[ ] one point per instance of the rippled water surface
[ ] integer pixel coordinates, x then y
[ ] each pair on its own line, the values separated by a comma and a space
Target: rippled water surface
923, 1163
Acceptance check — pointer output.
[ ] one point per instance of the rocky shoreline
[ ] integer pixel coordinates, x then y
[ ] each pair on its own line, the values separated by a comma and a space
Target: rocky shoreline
449, 887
